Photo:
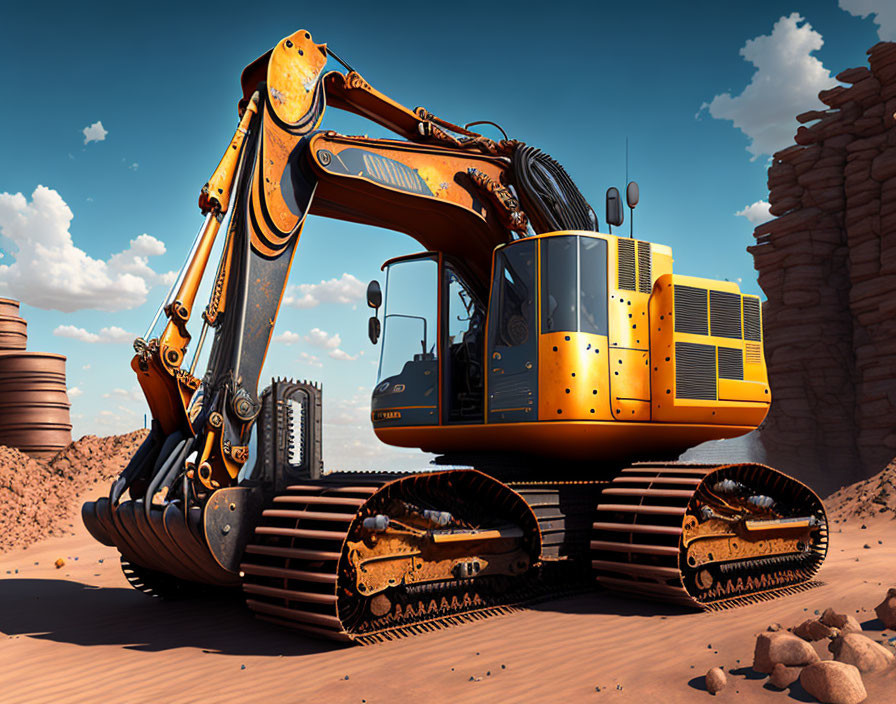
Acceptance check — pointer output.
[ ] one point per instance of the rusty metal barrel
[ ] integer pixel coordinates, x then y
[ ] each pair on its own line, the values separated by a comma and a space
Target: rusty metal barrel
34, 405
13, 328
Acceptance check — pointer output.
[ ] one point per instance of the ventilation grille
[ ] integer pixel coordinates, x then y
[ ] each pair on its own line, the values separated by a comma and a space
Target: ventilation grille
724, 311
731, 363
690, 310
644, 270
625, 254
753, 352
752, 321
695, 371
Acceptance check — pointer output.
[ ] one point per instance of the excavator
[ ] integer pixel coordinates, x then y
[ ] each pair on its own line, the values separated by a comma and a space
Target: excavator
557, 373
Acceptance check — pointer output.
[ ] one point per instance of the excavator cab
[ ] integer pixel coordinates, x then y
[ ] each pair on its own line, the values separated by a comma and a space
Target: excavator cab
588, 345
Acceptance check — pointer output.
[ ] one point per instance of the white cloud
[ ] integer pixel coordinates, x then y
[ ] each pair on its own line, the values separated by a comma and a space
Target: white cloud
94, 133
322, 339
310, 359
757, 213
121, 420
786, 83
74, 392
287, 337
50, 272
134, 166
133, 394
107, 335
346, 289
884, 12
349, 441
341, 354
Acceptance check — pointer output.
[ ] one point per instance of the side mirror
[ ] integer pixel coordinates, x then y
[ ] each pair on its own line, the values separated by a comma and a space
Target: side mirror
374, 294
632, 193
373, 329
615, 214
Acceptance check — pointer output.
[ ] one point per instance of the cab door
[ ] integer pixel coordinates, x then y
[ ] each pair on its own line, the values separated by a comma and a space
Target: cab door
512, 349
407, 389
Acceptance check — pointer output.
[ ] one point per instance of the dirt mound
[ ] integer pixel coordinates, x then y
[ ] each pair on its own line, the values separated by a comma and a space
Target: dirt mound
865, 499
38, 498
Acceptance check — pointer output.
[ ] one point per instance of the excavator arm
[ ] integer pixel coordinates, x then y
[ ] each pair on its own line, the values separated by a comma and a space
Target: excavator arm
446, 186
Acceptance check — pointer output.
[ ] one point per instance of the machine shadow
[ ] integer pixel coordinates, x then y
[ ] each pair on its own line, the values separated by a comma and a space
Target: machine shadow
80, 614
599, 602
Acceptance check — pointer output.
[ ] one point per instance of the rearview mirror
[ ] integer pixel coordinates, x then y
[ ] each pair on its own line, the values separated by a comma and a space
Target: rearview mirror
615, 214
632, 194
373, 329
374, 294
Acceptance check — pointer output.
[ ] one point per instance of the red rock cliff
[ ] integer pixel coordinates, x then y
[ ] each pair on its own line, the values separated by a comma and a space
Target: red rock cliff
827, 264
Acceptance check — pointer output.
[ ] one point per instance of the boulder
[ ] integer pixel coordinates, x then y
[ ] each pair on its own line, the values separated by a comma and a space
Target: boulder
859, 650
844, 622
783, 676
715, 680
781, 647
813, 630
833, 682
886, 610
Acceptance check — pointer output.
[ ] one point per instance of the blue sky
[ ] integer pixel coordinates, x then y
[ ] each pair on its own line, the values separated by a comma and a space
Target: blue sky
92, 223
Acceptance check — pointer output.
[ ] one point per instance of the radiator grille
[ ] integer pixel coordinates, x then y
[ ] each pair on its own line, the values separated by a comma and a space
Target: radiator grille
644, 269
695, 371
752, 320
724, 311
690, 310
753, 352
625, 254
731, 363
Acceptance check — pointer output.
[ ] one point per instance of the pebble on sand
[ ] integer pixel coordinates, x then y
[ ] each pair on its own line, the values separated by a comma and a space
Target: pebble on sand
715, 680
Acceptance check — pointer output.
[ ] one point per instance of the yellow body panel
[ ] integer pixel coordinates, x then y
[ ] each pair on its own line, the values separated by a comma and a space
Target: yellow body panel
737, 402
572, 377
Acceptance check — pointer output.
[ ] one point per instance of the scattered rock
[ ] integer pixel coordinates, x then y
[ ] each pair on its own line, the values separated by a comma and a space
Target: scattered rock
859, 650
774, 627
833, 682
844, 622
715, 680
886, 610
781, 647
783, 676
60, 562
813, 630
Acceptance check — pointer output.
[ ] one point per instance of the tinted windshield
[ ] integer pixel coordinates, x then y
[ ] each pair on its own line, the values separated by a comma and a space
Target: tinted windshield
409, 324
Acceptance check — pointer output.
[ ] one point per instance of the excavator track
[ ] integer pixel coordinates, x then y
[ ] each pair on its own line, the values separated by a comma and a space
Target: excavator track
298, 569
707, 536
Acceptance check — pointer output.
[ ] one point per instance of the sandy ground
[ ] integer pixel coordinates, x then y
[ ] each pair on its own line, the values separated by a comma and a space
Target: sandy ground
81, 633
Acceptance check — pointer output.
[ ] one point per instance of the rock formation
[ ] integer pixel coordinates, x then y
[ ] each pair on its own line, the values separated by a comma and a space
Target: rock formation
827, 264
34, 406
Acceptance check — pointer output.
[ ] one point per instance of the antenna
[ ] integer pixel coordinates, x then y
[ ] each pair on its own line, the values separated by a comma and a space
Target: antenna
626, 159
632, 196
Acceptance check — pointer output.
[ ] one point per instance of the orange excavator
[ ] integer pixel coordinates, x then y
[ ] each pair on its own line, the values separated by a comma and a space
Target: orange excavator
556, 371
